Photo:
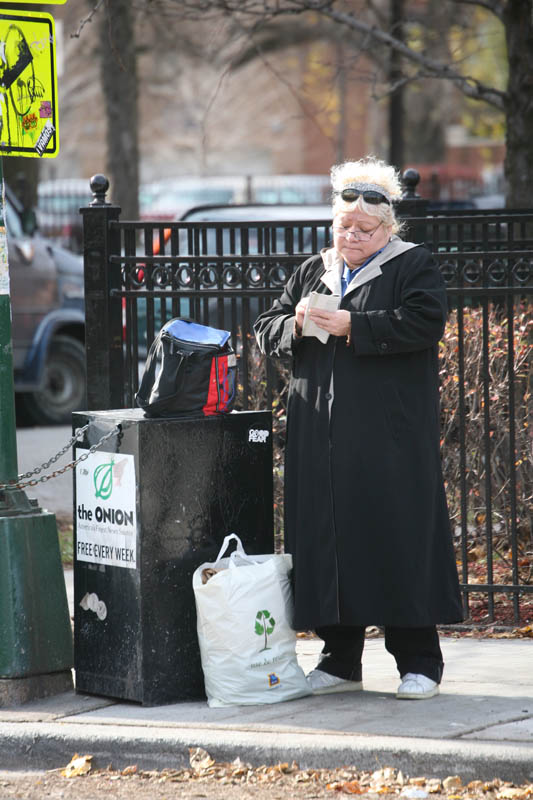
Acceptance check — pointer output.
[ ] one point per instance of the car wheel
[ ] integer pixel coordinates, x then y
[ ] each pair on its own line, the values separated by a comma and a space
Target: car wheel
64, 389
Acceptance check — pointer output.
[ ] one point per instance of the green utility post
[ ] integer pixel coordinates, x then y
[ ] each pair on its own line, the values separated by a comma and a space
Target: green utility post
35, 632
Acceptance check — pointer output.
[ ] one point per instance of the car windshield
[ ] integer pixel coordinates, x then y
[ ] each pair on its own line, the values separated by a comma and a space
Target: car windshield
287, 212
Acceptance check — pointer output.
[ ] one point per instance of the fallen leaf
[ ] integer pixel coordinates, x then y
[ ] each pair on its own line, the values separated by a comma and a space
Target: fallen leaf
352, 787
131, 770
526, 631
79, 765
452, 782
199, 759
389, 773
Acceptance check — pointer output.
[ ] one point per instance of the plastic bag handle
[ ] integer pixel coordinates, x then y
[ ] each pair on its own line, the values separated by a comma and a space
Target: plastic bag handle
243, 557
227, 539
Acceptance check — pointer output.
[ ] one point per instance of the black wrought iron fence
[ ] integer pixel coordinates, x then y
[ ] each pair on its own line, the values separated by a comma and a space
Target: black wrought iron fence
140, 274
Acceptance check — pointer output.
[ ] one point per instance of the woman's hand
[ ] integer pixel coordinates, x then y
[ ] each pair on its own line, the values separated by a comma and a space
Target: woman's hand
299, 312
338, 323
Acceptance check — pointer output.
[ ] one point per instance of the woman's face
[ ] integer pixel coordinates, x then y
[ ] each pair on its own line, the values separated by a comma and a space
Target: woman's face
349, 226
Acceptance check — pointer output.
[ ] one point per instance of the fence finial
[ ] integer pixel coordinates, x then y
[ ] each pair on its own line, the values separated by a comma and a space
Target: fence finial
99, 186
410, 180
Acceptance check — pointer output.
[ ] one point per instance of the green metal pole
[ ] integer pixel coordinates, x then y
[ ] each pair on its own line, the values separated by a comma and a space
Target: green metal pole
35, 632
8, 441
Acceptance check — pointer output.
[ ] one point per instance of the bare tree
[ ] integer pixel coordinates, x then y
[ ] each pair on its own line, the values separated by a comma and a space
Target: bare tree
365, 21
119, 83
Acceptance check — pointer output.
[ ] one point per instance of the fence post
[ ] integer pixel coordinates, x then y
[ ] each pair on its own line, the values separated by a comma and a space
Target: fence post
412, 206
103, 311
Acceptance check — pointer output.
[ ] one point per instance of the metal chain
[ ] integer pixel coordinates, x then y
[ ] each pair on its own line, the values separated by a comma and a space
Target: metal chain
77, 435
80, 431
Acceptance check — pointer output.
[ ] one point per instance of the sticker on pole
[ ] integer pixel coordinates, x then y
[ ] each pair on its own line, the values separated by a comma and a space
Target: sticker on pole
106, 517
4, 263
28, 85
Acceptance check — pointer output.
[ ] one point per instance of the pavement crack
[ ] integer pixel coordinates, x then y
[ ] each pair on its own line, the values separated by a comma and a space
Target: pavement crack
461, 734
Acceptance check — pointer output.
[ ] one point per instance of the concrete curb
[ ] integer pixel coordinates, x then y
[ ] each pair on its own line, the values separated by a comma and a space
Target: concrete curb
50, 745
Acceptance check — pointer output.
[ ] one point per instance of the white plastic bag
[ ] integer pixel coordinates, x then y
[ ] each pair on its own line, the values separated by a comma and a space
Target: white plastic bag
247, 645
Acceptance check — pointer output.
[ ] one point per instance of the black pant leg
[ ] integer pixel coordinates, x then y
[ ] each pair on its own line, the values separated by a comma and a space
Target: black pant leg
342, 651
416, 650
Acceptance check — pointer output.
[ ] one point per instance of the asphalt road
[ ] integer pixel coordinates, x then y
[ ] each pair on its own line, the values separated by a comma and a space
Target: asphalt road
37, 445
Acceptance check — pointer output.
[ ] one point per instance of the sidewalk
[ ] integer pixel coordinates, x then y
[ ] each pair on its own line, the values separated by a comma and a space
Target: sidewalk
480, 726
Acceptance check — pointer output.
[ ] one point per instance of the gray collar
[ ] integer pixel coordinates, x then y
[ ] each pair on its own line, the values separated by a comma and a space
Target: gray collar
334, 265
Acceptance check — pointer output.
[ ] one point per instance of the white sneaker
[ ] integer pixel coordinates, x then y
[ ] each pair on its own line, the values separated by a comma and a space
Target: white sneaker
416, 687
323, 683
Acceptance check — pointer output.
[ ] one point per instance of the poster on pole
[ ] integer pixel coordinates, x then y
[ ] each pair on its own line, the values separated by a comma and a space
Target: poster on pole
106, 512
28, 85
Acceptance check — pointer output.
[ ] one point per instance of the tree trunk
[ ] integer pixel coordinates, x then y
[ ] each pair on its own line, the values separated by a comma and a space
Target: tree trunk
396, 98
518, 21
119, 84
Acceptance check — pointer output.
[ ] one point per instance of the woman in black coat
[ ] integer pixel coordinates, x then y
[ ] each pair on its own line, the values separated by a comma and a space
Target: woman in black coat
365, 511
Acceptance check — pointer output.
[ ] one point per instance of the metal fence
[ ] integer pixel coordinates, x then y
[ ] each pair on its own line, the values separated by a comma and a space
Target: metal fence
140, 274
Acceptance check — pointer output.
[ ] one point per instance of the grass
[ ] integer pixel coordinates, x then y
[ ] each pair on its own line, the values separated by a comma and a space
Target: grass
66, 541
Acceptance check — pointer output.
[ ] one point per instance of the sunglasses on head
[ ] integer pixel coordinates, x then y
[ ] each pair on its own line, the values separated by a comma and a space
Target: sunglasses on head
369, 196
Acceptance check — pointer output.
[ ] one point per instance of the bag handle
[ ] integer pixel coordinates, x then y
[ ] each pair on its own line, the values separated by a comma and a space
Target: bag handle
227, 539
235, 556
239, 552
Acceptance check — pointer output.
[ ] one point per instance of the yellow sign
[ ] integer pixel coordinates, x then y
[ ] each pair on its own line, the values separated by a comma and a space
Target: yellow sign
28, 85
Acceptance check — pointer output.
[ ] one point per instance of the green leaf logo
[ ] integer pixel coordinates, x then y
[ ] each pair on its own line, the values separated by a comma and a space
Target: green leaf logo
264, 626
103, 480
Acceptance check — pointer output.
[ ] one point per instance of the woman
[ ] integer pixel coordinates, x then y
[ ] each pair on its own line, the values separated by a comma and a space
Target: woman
365, 511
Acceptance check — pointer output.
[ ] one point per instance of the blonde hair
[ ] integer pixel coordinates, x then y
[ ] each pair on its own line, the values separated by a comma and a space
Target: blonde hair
367, 170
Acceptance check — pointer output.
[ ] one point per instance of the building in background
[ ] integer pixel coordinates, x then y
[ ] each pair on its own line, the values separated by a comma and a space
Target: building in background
292, 112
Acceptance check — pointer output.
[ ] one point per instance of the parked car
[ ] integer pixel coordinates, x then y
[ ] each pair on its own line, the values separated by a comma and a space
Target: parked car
48, 313
229, 314
265, 212
58, 210
169, 198
283, 212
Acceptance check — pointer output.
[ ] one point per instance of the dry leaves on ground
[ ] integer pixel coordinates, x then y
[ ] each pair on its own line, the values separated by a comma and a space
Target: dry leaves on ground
277, 781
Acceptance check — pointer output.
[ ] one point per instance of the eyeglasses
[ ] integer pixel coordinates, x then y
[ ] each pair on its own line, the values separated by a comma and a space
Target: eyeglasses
369, 196
363, 236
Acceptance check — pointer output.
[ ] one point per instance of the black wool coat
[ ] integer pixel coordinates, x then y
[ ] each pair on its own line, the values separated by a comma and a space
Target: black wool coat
366, 518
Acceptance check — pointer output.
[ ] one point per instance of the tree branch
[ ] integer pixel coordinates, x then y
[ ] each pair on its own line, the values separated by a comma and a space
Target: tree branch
83, 22
269, 9
469, 86
312, 117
